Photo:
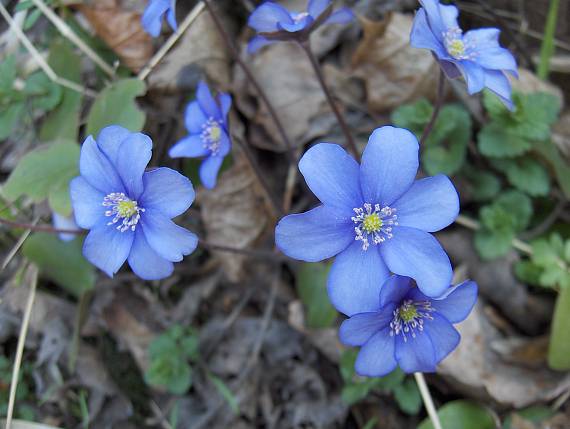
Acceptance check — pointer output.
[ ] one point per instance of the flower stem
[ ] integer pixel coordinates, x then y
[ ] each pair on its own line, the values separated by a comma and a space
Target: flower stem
428, 401
319, 73
437, 107
39, 228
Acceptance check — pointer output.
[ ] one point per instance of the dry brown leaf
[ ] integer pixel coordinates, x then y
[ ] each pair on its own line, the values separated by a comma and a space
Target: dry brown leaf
121, 30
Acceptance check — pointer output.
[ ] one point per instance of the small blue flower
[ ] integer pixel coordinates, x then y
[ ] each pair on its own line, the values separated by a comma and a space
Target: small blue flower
476, 54
407, 329
207, 122
274, 22
128, 210
64, 222
154, 13
374, 217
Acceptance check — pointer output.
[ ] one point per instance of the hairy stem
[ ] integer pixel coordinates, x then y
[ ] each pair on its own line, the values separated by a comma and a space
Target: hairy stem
438, 102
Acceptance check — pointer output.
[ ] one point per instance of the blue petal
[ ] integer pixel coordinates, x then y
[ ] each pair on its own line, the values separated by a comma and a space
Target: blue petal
333, 176
133, 157
257, 43
377, 357
430, 204
444, 337
389, 165
107, 248
167, 191
316, 7
64, 222
434, 17
450, 69
449, 15
109, 141
356, 278
207, 101
96, 168
189, 147
498, 83
171, 16
145, 262
474, 76
497, 59
422, 36
225, 100
417, 254
318, 234
152, 16
341, 16
394, 290
209, 171
266, 17
225, 145
416, 354
87, 203
360, 327
166, 238
458, 301
483, 38
194, 118
295, 25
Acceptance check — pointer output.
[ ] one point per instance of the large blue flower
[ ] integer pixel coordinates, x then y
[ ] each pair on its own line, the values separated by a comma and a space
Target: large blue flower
374, 216
206, 120
274, 22
154, 13
128, 210
407, 329
476, 54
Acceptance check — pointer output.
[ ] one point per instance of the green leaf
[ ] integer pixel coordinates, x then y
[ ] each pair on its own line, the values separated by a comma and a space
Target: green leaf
45, 173
312, 289
561, 168
43, 92
390, 381
61, 261
408, 397
8, 72
533, 414
495, 141
352, 393
462, 415
371, 424
551, 256
170, 372
226, 393
347, 360
492, 245
9, 117
525, 174
413, 116
528, 272
559, 348
483, 185
547, 48
116, 105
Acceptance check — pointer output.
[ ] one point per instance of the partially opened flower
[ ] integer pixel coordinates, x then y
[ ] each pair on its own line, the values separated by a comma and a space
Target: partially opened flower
374, 216
273, 22
407, 329
128, 210
475, 55
206, 120
154, 14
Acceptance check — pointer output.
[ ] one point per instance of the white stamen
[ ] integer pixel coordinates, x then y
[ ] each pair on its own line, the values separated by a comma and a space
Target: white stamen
459, 47
212, 135
122, 207
374, 223
415, 312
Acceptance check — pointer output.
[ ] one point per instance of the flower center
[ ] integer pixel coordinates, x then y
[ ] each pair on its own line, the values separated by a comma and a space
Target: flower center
123, 209
373, 223
409, 318
212, 135
458, 47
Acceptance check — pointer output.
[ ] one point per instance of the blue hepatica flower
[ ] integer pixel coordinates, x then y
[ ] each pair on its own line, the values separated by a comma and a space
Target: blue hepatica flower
374, 217
407, 328
476, 54
154, 13
206, 120
128, 209
273, 22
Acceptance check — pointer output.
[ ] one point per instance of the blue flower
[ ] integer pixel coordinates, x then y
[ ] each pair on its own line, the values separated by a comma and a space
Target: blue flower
64, 222
476, 54
128, 210
374, 216
154, 13
407, 329
207, 122
273, 22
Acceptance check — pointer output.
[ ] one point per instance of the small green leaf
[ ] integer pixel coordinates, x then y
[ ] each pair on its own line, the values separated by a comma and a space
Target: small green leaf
462, 415
354, 392
8, 72
43, 92
550, 255
170, 372
116, 105
9, 117
526, 174
495, 141
528, 272
371, 424
312, 289
492, 245
483, 185
347, 360
561, 168
559, 348
413, 116
226, 393
408, 397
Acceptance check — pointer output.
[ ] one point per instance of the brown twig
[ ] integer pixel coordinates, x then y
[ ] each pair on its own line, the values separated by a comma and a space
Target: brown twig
438, 102
40, 228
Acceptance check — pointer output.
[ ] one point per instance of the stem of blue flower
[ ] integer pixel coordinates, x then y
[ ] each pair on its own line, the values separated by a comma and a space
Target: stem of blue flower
428, 400
40, 228
437, 107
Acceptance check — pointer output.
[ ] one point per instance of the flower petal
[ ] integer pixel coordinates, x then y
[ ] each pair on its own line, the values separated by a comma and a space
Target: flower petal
109, 141
394, 290
356, 278
450, 69
225, 100
341, 16
225, 145
377, 357
434, 17
315, 235
171, 16
107, 248
209, 171
498, 83
295, 25
145, 262
133, 157
64, 222
152, 16
169, 240
258, 42
97, 170
422, 36
417, 254
207, 101
194, 118
316, 7
457, 302
333, 176
449, 15
444, 337
87, 203
430, 204
360, 327
416, 354
266, 17
167, 191
189, 147
497, 59
389, 165
474, 75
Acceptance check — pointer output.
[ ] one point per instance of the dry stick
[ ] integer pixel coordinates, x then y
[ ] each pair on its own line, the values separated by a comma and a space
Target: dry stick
428, 401
40, 59
437, 107
157, 58
68, 33
319, 73
32, 278
17, 246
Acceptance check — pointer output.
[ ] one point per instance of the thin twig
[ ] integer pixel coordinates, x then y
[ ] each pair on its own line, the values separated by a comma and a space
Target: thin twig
157, 58
428, 401
31, 278
40, 228
306, 46
438, 102
40, 59
17, 246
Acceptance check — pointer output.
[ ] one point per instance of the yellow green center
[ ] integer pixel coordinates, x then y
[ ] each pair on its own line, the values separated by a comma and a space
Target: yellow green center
408, 313
372, 223
215, 133
126, 208
456, 48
